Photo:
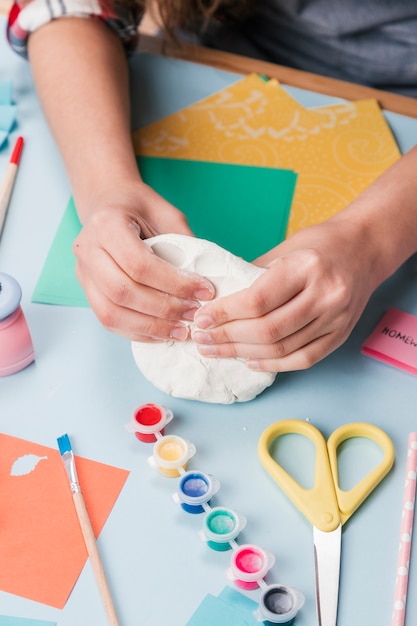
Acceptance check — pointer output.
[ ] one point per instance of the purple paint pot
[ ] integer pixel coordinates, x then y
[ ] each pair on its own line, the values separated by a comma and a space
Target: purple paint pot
279, 604
16, 348
220, 527
149, 420
249, 565
194, 490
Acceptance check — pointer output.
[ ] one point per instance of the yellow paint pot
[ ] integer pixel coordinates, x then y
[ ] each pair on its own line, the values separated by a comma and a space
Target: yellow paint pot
170, 455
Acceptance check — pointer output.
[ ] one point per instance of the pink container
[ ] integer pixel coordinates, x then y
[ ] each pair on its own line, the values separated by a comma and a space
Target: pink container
249, 564
16, 348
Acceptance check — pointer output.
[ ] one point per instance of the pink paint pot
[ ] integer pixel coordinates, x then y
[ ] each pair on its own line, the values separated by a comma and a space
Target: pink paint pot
149, 420
248, 566
16, 348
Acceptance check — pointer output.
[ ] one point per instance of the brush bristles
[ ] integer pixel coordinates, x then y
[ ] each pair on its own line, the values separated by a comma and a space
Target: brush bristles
64, 444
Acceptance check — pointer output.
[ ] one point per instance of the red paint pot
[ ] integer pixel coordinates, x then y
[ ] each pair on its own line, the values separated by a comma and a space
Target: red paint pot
149, 420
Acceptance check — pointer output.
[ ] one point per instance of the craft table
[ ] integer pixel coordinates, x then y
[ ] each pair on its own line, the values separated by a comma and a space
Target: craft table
85, 383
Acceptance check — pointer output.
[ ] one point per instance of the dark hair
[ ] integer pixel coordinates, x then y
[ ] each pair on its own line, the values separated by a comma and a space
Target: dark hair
192, 13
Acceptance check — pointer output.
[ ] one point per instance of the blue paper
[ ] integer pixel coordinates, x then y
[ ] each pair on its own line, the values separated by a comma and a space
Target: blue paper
5, 92
215, 612
7, 117
3, 137
240, 602
7, 111
8, 620
229, 608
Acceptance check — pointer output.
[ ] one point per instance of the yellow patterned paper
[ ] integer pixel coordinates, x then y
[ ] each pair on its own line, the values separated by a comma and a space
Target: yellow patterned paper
337, 150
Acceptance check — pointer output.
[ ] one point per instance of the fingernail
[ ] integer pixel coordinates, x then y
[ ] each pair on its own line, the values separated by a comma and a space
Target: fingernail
253, 365
189, 315
180, 333
199, 336
206, 350
204, 294
203, 321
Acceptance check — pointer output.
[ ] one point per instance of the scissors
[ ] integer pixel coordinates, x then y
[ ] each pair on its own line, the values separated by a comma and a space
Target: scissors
326, 505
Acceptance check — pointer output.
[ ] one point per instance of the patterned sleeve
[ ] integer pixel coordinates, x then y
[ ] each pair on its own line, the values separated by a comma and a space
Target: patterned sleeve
27, 16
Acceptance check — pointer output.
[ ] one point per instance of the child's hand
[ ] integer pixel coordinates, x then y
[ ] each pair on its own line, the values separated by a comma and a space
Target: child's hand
300, 310
130, 289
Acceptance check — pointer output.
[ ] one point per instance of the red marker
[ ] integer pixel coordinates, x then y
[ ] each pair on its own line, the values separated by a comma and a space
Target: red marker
8, 181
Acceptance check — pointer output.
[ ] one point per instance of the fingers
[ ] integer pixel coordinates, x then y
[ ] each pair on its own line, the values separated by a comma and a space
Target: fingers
132, 291
135, 309
301, 359
130, 323
279, 324
297, 351
269, 292
134, 263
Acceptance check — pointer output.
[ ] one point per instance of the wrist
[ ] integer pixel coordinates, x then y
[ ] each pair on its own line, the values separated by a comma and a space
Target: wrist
113, 191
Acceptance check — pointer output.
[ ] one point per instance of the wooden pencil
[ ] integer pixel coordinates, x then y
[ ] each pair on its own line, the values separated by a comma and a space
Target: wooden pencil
8, 181
404, 554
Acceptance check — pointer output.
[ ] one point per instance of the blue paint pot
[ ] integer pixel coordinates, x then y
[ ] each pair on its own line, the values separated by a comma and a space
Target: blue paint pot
195, 489
220, 527
279, 604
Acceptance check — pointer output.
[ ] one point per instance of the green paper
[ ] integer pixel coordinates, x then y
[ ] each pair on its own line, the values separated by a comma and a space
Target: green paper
58, 283
242, 208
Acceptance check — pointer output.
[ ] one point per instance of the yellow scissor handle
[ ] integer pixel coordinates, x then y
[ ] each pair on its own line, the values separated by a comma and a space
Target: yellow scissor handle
350, 500
318, 504
325, 505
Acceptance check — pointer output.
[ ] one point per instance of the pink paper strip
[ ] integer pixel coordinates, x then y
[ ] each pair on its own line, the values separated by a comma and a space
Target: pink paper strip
401, 581
394, 341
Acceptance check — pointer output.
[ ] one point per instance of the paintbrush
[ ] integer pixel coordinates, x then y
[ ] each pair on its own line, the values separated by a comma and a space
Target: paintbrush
68, 460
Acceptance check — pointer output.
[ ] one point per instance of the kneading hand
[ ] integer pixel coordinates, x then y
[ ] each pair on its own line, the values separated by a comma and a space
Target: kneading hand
302, 308
130, 289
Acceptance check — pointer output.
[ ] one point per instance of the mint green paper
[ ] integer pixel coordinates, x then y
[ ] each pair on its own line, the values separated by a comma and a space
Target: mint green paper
242, 208
58, 283
8, 620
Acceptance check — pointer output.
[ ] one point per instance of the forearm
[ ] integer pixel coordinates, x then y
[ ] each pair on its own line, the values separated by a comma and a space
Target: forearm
384, 218
80, 71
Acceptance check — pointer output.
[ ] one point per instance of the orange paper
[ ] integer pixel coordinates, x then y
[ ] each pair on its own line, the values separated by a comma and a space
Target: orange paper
336, 150
42, 551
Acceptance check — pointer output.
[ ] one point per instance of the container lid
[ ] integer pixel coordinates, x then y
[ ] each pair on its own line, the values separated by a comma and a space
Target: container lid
10, 295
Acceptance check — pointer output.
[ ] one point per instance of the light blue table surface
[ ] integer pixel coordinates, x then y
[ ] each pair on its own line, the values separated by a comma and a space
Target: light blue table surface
85, 383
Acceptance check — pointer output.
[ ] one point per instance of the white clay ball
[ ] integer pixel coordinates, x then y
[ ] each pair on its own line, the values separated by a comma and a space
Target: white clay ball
177, 368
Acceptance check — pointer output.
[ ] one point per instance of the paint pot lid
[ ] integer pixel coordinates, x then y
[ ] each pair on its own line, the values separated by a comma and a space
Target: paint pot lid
10, 295
279, 604
251, 563
197, 487
172, 452
222, 525
155, 418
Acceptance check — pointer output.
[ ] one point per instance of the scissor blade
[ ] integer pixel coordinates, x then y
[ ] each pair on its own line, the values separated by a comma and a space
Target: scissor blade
327, 546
